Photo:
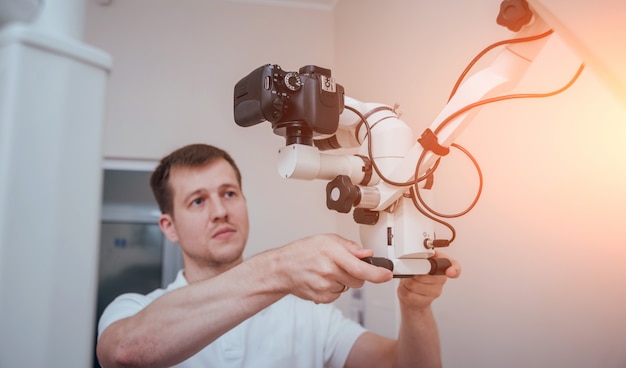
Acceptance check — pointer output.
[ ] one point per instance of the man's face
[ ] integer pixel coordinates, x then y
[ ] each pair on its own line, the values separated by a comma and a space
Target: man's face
210, 220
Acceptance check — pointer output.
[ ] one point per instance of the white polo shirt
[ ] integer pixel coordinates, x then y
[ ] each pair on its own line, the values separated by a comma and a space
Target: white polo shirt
289, 333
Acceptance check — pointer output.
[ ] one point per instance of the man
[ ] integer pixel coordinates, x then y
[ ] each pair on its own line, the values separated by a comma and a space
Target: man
270, 310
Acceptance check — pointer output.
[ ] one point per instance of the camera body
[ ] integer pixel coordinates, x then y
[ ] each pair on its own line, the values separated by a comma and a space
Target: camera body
307, 99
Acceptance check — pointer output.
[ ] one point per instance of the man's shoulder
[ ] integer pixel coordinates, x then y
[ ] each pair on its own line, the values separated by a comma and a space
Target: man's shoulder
128, 304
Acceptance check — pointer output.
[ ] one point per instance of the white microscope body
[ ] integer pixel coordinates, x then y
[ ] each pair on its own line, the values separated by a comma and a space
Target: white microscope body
380, 182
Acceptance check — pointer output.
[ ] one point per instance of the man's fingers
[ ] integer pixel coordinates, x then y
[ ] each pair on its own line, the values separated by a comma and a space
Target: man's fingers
454, 271
355, 267
356, 250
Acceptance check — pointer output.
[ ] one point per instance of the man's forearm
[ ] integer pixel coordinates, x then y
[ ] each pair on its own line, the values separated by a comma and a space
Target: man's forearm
418, 340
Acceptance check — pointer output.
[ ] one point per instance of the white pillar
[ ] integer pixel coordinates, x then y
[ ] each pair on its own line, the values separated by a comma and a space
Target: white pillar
52, 94
63, 18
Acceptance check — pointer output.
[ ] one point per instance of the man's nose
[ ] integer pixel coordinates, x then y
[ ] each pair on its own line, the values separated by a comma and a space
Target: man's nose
218, 210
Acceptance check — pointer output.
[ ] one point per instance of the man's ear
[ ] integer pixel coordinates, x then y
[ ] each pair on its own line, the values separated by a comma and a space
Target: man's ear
166, 223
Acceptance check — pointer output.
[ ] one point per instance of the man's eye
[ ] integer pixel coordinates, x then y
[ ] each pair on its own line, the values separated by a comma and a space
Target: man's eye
231, 193
197, 201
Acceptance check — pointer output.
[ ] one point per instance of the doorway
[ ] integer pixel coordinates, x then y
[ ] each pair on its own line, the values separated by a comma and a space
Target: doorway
134, 255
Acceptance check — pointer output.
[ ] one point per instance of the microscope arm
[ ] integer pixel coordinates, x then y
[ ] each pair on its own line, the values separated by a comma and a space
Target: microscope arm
298, 161
501, 76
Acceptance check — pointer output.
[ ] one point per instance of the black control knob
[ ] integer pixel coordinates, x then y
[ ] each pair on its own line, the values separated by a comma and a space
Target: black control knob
292, 81
514, 14
341, 194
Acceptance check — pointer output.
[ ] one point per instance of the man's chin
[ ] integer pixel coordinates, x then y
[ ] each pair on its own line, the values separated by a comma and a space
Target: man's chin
229, 253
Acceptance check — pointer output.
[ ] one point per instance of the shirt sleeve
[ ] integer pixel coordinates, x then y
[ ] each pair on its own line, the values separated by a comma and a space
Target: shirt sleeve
129, 304
342, 334
125, 305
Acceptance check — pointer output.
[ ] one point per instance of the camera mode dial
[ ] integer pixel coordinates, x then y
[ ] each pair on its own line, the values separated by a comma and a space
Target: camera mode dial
292, 81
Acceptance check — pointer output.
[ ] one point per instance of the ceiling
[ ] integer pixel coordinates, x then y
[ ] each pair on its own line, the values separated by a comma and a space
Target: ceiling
310, 4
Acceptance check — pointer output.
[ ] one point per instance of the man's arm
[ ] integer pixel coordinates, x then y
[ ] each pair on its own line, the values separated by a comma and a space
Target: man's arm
418, 339
180, 323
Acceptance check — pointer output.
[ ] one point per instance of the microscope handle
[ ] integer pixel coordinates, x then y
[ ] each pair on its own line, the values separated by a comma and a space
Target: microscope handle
380, 262
438, 266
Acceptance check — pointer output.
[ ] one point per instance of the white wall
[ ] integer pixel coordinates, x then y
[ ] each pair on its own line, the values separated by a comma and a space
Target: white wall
543, 251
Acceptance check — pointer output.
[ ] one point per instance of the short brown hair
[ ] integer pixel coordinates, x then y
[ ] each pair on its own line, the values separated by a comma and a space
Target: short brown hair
193, 155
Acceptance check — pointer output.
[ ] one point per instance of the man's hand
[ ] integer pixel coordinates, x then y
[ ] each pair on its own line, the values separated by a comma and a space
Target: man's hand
318, 267
419, 291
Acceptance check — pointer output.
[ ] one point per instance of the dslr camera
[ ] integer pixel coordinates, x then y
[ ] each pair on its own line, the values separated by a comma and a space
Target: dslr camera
298, 104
